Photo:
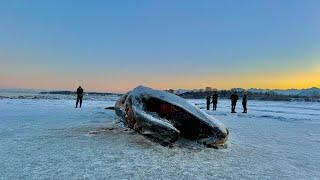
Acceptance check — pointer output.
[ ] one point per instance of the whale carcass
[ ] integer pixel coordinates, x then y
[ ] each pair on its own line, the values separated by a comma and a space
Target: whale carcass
164, 117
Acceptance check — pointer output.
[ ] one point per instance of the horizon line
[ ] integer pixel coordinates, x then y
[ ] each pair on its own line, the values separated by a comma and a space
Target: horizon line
117, 92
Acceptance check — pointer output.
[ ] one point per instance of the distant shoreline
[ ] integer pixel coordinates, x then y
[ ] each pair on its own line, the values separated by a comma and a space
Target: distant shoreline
223, 94
267, 96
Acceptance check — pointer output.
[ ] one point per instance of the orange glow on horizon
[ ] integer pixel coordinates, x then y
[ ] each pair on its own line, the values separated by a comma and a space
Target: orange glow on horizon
299, 80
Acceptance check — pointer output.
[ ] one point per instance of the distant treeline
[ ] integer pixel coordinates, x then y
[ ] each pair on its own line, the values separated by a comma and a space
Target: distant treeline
73, 93
225, 94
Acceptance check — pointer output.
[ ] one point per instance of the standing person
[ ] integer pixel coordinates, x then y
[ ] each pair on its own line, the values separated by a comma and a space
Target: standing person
234, 98
208, 102
79, 96
244, 103
215, 97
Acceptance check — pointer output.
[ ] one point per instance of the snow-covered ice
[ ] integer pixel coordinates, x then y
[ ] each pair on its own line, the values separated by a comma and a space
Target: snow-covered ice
50, 139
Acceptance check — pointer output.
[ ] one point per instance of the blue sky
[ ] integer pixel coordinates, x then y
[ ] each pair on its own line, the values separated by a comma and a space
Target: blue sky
116, 45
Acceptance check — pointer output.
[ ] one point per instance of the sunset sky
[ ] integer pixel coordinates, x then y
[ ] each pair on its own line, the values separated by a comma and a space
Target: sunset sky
117, 45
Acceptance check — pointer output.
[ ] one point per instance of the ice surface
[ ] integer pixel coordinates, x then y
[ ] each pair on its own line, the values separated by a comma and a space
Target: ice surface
50, 139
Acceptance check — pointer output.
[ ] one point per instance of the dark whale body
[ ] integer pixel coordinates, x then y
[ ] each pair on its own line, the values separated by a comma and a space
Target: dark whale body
164, 117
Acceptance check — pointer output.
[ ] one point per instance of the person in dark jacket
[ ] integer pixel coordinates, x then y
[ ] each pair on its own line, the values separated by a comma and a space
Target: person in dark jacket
215, 97
234, 98
208, 102
79, 96
244, 103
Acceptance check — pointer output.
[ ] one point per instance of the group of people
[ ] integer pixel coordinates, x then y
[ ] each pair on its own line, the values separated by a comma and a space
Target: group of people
210, 99
234, 98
